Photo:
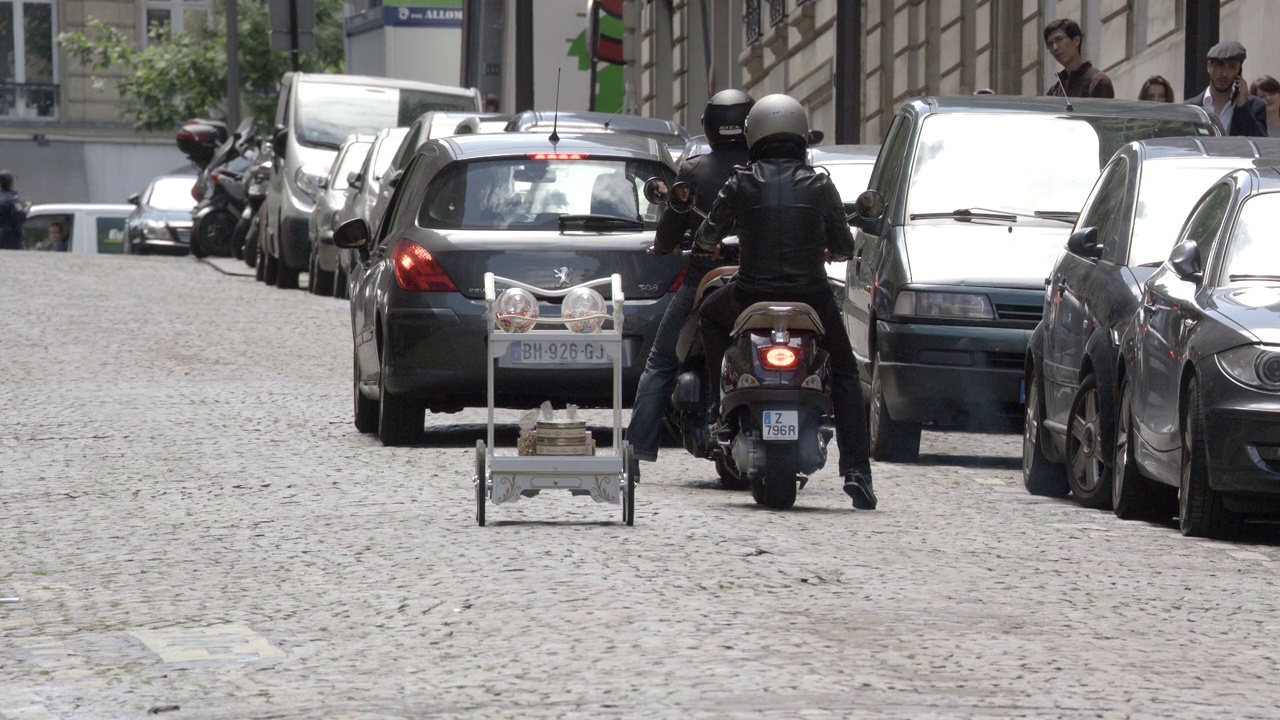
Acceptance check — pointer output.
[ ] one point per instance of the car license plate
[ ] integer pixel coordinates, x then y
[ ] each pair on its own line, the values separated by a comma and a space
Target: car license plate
781, 424
526, 353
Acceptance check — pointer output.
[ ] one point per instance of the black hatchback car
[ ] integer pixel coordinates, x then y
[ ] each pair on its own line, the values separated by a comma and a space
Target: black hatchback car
1200, 373
980, 193
1126, 229
550, 215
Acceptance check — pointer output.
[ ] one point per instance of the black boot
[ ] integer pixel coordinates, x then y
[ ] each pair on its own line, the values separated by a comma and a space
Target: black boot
858, 486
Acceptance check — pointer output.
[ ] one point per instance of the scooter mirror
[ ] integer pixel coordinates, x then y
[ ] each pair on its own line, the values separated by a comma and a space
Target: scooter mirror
655, 191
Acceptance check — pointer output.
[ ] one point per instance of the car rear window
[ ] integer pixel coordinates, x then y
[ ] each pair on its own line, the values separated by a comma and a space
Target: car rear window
528, 193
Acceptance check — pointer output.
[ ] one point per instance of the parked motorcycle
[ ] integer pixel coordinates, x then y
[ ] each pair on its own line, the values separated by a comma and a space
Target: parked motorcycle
221, 193
775, 391
244, 241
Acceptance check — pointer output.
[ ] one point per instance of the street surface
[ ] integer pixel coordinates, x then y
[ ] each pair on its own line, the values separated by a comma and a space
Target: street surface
193, 529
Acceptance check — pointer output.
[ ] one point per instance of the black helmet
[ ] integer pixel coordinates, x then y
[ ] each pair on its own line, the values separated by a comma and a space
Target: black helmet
725, 119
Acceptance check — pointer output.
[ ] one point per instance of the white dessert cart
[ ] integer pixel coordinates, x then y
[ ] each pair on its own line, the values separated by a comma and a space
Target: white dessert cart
503, 475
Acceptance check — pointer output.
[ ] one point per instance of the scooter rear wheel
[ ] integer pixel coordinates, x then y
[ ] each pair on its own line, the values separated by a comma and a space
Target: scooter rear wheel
777, 489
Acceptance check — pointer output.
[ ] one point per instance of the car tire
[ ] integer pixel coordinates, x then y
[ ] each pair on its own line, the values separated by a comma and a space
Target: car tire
365, 410
1134, 496
340, 284
1039, 475
1201, 512
287, 277
270, 268
400, 420
319, 282
1088, 452
891, 441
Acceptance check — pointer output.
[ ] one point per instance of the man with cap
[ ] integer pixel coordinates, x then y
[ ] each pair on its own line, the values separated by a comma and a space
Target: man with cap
1228, 95
13, 213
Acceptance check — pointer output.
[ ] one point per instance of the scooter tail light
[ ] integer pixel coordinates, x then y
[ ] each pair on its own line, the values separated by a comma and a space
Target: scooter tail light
417, 270
779, 357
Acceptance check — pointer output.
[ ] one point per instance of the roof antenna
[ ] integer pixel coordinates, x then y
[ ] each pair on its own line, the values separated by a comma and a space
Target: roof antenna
1060, 87
555, 121
615, 114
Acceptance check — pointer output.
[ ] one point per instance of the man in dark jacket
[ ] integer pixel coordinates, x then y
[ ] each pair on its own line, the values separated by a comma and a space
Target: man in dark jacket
13, 213
723, 121
789, 220
1079, 78
1228, 96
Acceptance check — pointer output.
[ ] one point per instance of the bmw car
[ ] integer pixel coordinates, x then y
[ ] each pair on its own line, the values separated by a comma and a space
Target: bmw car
547, 214
1200, 379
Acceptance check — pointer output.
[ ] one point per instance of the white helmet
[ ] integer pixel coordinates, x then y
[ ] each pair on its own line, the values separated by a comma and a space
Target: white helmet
777, 114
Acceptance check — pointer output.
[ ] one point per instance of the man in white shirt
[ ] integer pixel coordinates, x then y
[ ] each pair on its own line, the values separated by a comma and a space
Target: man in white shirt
1228, 93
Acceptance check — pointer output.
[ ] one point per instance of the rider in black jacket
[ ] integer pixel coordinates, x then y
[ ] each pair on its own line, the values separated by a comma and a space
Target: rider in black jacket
723, 121
789, 220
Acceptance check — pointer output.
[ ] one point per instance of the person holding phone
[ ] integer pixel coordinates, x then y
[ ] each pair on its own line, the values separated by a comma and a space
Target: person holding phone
1228, 95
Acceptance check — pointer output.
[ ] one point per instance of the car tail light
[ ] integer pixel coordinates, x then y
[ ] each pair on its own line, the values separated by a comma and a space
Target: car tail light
675, 284
557, 156
779, 357
417, 270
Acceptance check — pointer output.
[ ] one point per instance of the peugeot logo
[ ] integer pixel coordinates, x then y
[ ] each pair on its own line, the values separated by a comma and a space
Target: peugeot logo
564, 277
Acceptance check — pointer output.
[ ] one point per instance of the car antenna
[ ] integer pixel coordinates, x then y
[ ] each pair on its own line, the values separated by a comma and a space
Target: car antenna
615, 114
555, 117
1064, 94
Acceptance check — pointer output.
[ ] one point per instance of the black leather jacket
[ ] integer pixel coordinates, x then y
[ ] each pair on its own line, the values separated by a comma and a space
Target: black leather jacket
706, 174
786, 216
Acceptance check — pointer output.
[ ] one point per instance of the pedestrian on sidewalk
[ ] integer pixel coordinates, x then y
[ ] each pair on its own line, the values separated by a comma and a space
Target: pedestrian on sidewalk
1079, 78
1228, 95
13, 213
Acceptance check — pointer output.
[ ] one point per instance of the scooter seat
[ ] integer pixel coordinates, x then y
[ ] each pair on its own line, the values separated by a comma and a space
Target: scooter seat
778, 316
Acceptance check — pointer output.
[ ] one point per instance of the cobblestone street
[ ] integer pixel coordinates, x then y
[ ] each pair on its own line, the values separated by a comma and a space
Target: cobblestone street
193, 528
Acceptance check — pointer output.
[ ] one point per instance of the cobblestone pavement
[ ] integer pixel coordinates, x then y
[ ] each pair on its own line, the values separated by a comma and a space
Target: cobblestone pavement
194, 529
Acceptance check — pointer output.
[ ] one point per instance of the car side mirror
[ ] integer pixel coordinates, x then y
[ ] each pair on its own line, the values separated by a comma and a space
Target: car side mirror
135, 199
352, 234
280, 141
816, 137
394, 179
866, 211
355, 179
323, 183
1084, 242
1185, 261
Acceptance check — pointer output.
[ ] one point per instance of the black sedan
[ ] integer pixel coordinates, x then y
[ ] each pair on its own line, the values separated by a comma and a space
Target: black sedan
161, 219
547, 214
1126, 228
1200, 379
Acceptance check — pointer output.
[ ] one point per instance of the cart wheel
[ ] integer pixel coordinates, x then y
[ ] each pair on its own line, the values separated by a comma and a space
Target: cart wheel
631, 467
480, 483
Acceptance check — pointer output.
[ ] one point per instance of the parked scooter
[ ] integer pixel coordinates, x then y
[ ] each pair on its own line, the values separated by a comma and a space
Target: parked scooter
775, 391
244, 241
221, 193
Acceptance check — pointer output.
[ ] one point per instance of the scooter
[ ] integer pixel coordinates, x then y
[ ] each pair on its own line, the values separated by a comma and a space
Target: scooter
775, 391
221, 194
244, 241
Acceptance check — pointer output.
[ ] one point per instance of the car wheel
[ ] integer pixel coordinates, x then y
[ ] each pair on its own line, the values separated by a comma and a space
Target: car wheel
319, 281
1040, 476
286, 277
891, 441
400, 420
340, 283
366, 410
1133, 496
1087, 449
1200, 509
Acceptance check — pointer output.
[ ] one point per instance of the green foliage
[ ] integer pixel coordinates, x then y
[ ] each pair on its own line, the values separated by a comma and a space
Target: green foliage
177, 77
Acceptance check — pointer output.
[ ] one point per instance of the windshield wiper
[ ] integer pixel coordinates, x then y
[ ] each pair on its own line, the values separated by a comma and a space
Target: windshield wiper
1066, 216
589, 220
966, 214
1253, 277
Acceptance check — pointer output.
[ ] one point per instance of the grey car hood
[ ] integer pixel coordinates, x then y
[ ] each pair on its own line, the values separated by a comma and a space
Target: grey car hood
993, 255
1254, 310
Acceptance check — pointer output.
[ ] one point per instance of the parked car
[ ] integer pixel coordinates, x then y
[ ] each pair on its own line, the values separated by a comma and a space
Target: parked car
86, 228
671, 134
946, 285
1125, 230
314, 115
516, 205
161, 216
1200, 373
333, 195
362, 199
850, 169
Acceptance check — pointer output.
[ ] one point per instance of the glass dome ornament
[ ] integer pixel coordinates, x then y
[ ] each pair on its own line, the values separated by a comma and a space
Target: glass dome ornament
515, 304
583, 303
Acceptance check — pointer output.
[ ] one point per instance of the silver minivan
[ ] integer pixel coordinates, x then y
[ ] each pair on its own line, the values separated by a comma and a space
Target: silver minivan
314, 115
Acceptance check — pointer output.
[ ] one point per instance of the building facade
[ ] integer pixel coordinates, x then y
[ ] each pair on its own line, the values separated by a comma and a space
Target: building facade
908, 47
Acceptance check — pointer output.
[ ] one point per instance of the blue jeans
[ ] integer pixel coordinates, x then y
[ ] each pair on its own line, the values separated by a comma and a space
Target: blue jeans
653, 393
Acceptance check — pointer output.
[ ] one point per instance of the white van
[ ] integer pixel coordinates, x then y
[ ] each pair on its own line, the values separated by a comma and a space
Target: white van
86, 228
314, 115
